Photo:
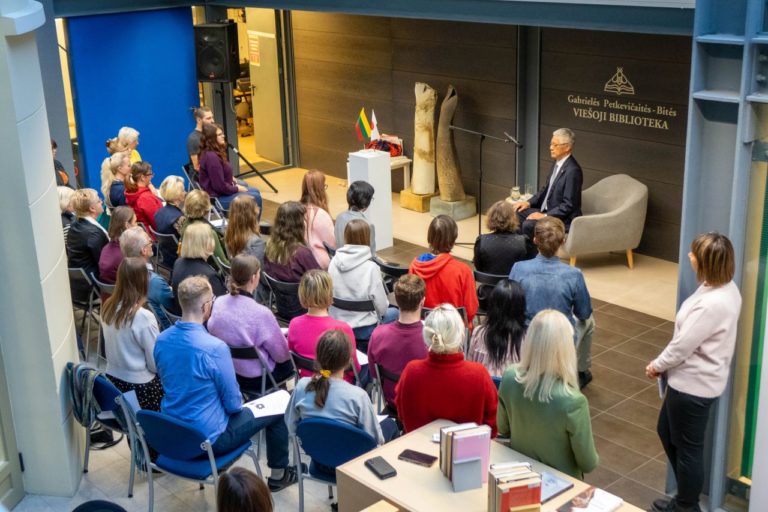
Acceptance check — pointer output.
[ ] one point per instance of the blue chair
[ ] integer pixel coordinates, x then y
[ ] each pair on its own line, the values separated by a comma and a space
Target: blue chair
106, 394
183, 450
496, 381
330, 444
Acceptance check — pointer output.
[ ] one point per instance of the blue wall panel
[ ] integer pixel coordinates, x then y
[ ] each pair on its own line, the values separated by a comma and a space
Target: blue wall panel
134, 69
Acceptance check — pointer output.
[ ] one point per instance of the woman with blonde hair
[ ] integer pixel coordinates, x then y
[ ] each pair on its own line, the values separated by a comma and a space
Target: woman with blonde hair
196, 249
696, 365
197, 206
130, 332
127, 140
318, 222
169, 219
140, 196
445, 385
541, 408
316, 296
85, 239
115, 171
242, 235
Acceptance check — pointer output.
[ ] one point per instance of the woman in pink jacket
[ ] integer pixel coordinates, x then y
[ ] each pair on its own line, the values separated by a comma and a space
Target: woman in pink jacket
319, 225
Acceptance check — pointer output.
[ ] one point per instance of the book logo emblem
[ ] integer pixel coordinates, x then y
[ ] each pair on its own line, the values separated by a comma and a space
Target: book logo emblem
619, 84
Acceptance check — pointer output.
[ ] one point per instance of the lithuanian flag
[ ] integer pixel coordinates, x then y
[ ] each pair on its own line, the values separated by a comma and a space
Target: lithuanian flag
362, 126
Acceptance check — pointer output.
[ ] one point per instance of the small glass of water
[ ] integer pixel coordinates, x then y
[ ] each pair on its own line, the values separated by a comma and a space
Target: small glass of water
529, 189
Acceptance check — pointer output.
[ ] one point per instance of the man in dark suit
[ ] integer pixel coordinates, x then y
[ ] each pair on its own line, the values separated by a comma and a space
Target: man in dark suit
561, 194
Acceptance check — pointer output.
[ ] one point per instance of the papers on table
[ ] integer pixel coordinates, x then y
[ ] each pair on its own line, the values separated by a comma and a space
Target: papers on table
272, 404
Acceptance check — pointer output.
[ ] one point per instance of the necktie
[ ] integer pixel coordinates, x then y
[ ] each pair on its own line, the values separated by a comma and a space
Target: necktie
549, 188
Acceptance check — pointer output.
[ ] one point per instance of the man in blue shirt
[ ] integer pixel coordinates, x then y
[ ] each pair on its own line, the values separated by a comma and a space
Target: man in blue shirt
551, 284
198, 377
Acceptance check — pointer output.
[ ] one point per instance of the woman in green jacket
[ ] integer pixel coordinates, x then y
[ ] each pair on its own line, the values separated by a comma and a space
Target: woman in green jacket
541, 409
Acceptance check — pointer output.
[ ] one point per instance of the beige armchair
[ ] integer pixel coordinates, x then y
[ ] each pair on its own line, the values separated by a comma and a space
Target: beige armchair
613, 218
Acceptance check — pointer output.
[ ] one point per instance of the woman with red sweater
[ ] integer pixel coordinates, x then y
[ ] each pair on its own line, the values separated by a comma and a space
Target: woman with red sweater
139, 195
445, 386
448, 280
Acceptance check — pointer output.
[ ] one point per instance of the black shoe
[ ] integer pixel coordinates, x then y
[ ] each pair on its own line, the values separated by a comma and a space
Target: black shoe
290, 477
584, 379
663, 505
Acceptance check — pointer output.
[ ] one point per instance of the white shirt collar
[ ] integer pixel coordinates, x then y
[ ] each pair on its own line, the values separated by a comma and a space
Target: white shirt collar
560, 162
96, 223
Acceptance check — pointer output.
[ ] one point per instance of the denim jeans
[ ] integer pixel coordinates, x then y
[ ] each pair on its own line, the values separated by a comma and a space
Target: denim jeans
226, 200
243, 426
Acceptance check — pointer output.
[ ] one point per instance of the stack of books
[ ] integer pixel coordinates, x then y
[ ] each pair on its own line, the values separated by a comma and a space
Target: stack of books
465, 451
514, 487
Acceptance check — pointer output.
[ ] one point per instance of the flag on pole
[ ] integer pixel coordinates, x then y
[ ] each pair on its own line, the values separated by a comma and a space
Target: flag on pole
374, 127
362, 126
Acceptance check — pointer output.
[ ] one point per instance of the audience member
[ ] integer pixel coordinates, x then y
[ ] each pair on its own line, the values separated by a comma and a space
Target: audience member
169, 219
286, 257
62, 178
327, 395
551, 284
110, 258
65, 205
448, 280
496, 343
86, 239
203, 115
445, 386
318, 222
197, 207
135, 243
696, 364
359, 197
201, 390
196, 248
242, 235
316, 296
241, 490
215, 170
140, 196
240, 321
394, 345
560, 197
127, 140
357, 277
130, 332
496, 252
115, 171
541, 409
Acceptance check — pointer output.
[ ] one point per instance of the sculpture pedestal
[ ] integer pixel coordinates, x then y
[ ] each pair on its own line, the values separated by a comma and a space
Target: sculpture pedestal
416, 202
373, 167
457, 210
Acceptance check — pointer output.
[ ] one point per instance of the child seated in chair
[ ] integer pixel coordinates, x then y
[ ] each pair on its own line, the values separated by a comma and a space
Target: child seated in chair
327, 395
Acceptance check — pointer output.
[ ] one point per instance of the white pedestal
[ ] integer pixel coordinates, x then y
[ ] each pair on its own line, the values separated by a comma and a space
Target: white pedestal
374, 167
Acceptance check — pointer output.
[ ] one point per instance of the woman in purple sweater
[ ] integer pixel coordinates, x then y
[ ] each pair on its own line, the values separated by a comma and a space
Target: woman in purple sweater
240, 321
215, 171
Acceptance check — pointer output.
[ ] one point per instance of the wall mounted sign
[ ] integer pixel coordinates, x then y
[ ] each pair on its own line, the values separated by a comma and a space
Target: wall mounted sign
622, 109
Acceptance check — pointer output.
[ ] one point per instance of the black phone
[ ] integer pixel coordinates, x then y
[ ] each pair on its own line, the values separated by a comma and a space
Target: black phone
422, 459
380, 468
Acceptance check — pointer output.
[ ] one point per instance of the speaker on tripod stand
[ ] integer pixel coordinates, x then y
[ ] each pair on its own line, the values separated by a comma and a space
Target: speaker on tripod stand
216, 52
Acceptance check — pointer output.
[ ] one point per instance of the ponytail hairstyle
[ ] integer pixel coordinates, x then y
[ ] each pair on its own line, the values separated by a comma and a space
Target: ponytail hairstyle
244, 267
333, 353
444, 330
138, 170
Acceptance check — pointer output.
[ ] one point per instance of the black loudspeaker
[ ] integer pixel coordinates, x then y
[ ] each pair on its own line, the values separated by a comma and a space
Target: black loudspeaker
216, 52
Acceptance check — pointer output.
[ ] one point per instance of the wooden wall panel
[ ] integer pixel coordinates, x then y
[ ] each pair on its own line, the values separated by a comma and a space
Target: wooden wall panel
576, 65
346, 62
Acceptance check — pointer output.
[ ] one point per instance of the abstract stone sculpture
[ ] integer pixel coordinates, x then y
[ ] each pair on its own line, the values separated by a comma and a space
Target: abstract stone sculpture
448, 171
423, 180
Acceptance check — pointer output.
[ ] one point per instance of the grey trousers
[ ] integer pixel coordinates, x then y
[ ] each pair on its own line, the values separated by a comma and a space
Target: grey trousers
584, 329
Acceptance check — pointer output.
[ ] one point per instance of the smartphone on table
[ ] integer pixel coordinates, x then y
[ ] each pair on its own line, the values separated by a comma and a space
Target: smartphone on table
422, 459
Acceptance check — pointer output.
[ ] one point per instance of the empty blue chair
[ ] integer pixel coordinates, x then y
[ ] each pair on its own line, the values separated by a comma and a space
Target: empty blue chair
183, 450
329, 443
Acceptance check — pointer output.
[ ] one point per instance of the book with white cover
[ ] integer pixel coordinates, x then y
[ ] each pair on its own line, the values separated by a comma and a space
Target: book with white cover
272, 404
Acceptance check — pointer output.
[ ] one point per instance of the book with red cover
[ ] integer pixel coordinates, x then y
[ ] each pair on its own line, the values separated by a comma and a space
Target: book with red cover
523, 492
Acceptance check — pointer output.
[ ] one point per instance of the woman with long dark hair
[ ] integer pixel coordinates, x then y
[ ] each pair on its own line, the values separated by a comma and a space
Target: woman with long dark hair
130, 332
319, 225
111, 255
496, 343
242, 235
216, 176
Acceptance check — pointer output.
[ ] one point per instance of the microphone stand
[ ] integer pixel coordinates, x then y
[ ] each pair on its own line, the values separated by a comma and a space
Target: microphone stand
507, 139
253, 170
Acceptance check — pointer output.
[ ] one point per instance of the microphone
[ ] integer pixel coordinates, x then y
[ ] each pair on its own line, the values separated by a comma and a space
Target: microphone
513, 140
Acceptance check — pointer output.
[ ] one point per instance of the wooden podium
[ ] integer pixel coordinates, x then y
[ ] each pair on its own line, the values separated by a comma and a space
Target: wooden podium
374, 167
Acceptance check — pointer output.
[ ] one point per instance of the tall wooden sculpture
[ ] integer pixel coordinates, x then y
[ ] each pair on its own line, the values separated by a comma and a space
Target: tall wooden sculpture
448, 171
423, 181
